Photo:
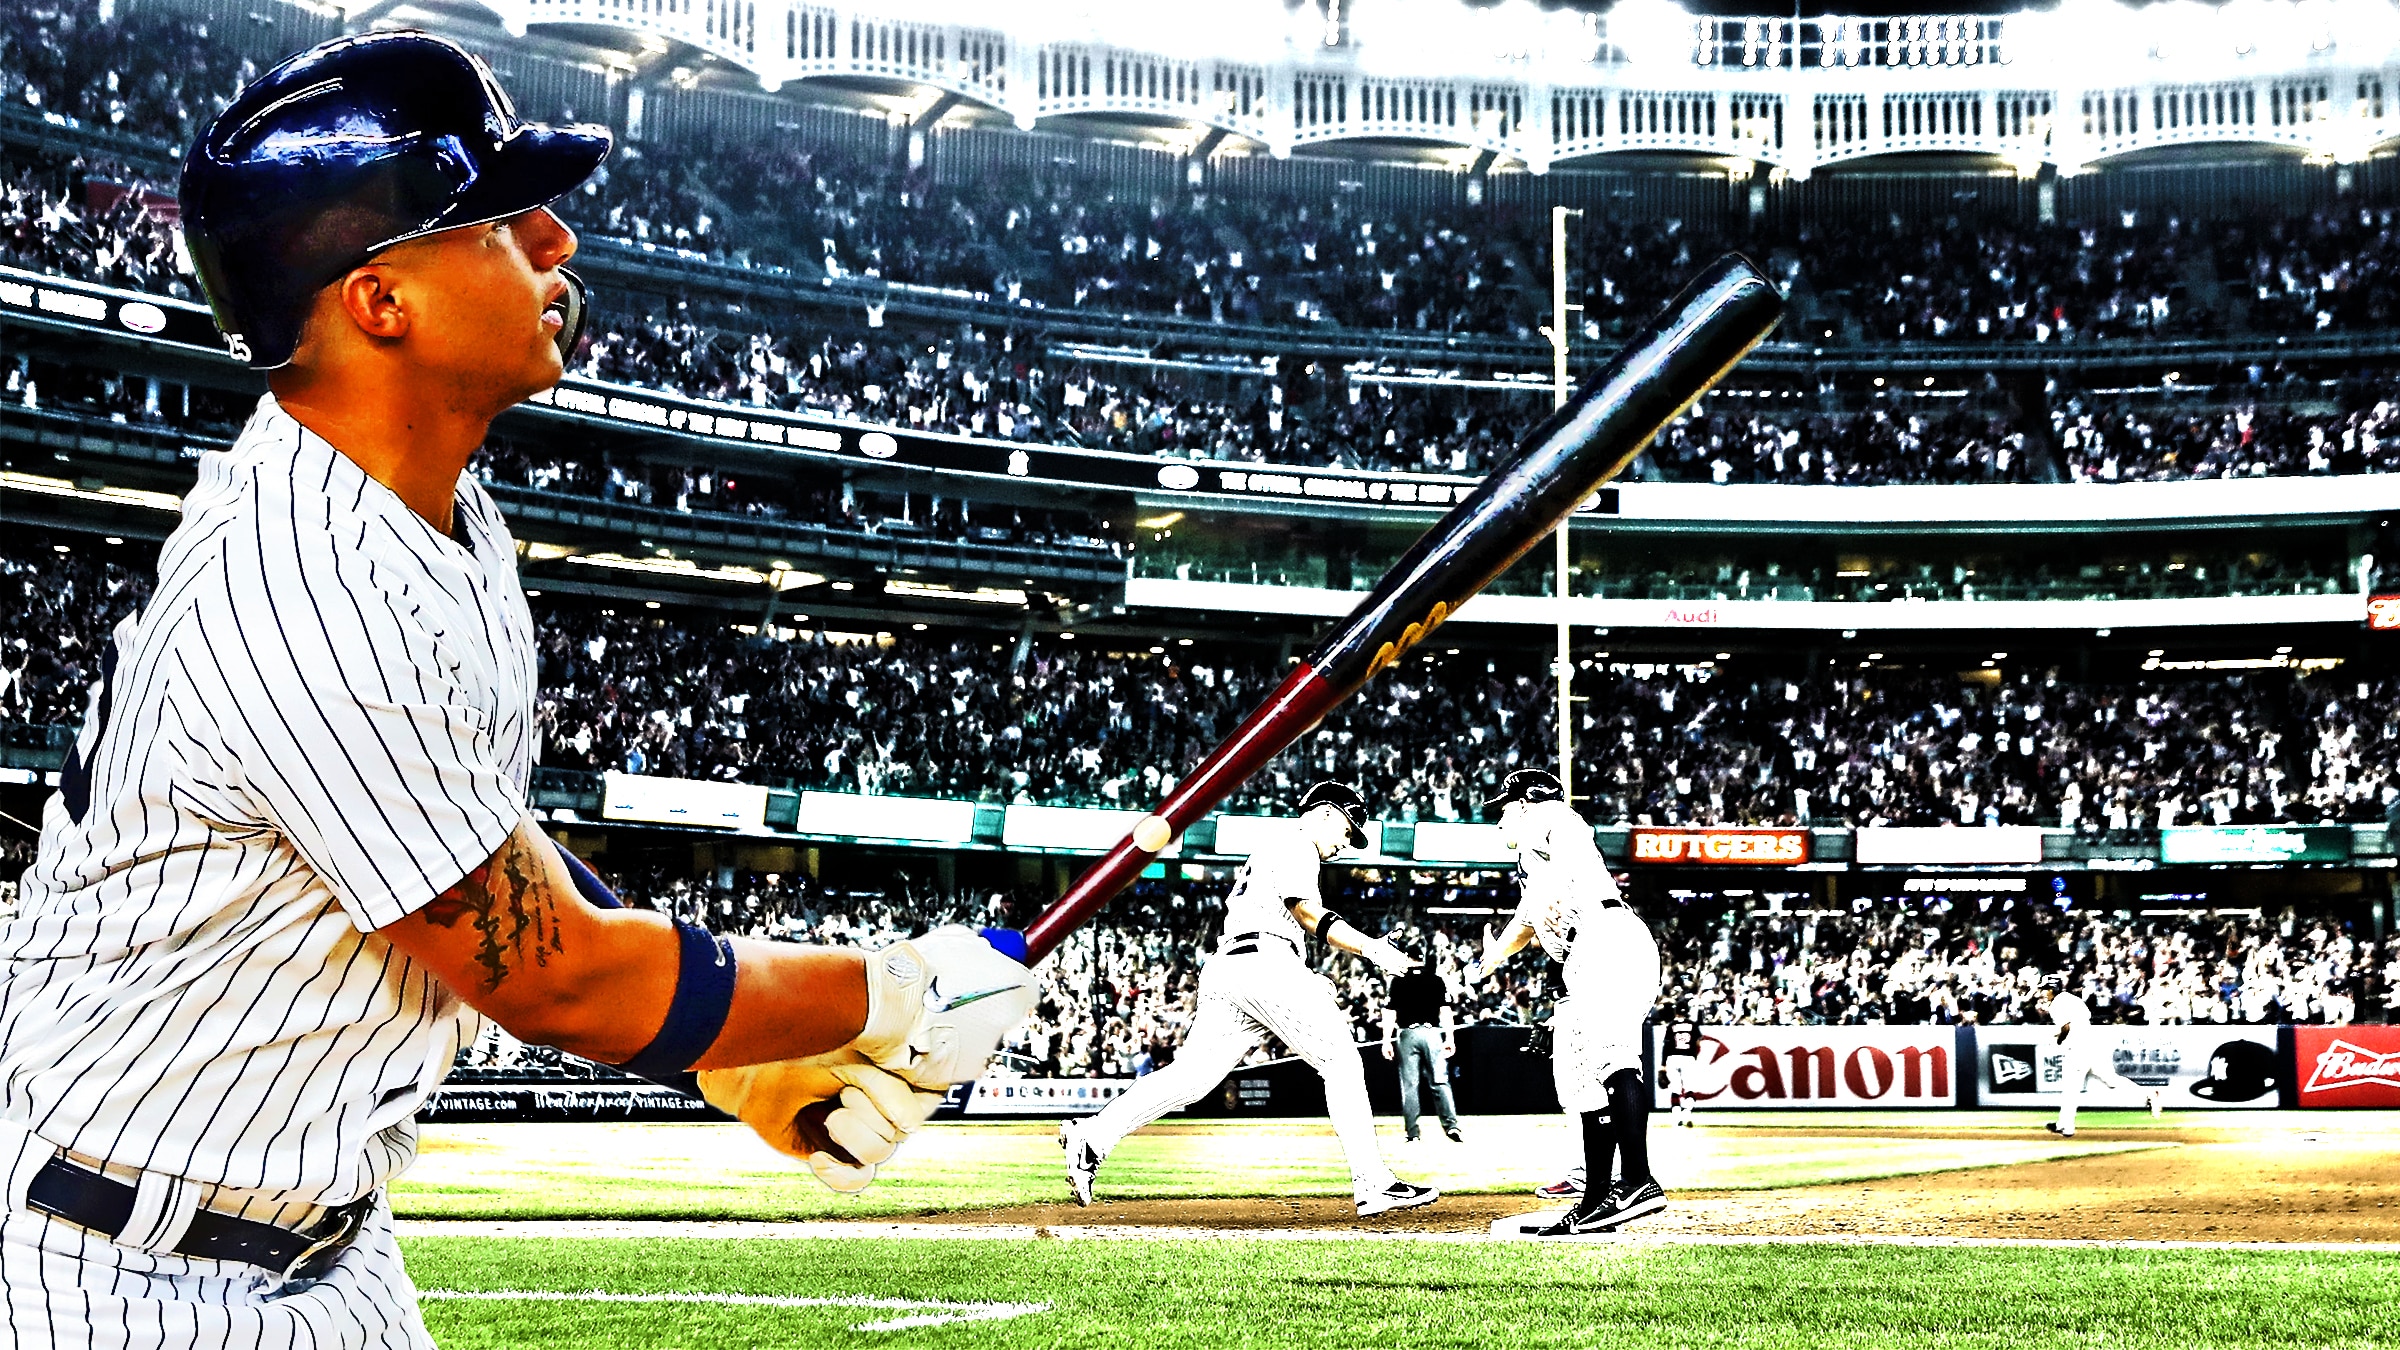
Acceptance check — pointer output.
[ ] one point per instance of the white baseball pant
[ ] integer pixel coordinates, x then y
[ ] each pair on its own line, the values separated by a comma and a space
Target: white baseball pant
2089, 1058
69, 1288
1245, 999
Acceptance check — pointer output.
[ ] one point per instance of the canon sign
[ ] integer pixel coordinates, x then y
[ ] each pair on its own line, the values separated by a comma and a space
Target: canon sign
1826, 1067
1769, 847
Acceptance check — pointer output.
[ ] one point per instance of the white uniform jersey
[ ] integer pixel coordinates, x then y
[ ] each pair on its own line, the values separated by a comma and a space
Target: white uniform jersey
2070, 1011
1286, 868
1608, 965
321, 721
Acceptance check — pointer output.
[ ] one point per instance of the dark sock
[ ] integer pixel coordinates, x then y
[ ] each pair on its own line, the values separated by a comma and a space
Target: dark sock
1630, 1106
1599, 1155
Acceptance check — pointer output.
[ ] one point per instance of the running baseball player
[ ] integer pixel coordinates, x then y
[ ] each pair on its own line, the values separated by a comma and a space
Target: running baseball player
289, 869
2089, 1054
1258, 986
1679, 1064
1570, 904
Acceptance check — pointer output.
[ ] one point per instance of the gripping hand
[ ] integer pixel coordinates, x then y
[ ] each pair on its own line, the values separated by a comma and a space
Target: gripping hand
838, 1112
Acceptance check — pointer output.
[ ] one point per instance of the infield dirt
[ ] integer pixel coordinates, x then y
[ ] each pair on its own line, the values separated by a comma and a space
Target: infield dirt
2201, 1184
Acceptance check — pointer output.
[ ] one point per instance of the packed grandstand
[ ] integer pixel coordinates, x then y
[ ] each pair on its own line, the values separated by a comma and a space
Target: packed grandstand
2112, 676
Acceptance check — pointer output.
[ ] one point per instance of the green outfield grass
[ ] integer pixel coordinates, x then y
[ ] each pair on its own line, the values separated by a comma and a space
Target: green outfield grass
1266, 1293
722, 1171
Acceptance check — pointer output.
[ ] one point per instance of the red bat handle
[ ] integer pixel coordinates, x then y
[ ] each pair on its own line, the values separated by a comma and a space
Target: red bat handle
1299, 703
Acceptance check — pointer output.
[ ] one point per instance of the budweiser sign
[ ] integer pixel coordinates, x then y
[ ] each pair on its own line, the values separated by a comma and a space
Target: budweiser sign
2343, 1065
1776, 848
2348, 1066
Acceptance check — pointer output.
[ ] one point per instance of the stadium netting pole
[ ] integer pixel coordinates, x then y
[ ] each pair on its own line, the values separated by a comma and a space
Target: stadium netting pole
1559, 389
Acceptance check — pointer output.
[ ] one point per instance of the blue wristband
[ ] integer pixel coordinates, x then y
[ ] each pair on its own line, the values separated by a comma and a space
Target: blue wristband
588, 883
703, 995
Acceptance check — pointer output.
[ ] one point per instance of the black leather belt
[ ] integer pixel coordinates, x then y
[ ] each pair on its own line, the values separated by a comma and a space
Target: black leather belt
104, 1204
1242, 944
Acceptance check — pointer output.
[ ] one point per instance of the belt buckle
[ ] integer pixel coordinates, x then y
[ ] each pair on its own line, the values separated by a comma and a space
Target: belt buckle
319, 1255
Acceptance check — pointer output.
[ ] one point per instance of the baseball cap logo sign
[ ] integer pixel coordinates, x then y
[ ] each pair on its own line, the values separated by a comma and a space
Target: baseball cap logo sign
345, 150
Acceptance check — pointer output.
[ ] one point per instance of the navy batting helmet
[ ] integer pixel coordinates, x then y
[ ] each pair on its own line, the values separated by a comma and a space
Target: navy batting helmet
347, 149
1343, 798
1527, 785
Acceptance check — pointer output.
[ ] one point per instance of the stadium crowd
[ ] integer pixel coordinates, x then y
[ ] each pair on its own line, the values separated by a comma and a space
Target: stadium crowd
1118, 997
1068, 720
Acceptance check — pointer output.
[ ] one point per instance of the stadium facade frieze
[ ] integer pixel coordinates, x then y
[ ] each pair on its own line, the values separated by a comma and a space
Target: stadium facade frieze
570, 799
62, 304
2068, 88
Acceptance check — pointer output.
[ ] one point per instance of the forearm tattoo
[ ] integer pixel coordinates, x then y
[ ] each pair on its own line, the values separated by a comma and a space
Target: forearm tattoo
513, 912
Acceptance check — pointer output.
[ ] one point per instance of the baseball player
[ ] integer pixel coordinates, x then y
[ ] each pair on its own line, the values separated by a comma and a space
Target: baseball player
2089, 1054
1571, 905
289, 869
1679, 1063
1258, 986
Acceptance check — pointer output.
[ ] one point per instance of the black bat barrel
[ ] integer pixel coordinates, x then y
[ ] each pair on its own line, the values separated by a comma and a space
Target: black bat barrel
1712, 324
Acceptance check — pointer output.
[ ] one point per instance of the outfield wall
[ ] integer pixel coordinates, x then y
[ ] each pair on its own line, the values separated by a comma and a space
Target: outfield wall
1498, 1072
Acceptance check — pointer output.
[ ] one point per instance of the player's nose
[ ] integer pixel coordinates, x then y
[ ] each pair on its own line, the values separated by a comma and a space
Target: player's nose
548, 241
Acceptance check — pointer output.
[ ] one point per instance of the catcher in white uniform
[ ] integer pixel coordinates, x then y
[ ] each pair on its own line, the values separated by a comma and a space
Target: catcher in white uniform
1571, 905
2088, 1051
1257, 986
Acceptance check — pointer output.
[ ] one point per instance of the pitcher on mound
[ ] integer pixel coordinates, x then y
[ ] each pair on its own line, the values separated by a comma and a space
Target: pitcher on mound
1256, 986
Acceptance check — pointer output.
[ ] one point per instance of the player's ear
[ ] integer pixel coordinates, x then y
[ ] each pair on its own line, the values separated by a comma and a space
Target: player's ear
368, 298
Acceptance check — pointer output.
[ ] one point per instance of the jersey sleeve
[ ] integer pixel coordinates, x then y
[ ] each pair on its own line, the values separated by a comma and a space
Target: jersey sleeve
359, 734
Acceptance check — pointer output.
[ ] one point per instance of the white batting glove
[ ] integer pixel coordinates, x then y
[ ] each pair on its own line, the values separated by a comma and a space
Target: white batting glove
1381, 953
938, 1006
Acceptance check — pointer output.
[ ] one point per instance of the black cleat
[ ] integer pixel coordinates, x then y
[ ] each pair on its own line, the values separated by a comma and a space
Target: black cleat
1398, 1195
1455, 1136
1614, 1210
2052, 1127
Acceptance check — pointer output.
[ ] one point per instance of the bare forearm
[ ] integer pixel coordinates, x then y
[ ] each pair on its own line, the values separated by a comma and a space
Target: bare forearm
517, 940
1513, 940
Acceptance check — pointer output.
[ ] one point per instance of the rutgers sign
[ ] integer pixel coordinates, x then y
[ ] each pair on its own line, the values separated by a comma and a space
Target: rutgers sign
2348, 1066
1768, 847
1787, 1067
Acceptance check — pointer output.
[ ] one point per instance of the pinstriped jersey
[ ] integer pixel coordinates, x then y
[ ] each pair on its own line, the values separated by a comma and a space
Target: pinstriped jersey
1284, 871
321, 721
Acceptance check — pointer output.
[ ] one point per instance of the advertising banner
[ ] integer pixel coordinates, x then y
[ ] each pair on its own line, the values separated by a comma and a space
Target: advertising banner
2347, 1066
1772, 848
851, 816
1446, 841
2254, 843
682, 801
2200, 1068
1776, 1068
1041, 1096
1948, 845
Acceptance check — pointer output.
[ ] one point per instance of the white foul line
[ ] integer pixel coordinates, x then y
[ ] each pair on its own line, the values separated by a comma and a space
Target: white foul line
940, 1312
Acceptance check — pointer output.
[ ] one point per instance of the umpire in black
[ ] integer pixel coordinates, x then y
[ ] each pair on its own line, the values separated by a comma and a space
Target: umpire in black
1422, 1032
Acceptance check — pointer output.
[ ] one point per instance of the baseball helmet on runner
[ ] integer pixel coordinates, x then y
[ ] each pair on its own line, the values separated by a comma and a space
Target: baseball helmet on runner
347, 149
1345, 799
1529, 786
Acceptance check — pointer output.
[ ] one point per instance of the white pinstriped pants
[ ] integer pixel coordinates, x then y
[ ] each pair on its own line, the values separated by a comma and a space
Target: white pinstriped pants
70, 1288
1243, 1000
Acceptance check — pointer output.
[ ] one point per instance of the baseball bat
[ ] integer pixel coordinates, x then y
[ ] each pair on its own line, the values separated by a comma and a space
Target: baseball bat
1683, 351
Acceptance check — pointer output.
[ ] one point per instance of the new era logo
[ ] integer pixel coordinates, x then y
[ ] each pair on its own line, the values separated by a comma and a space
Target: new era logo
2342, 1065
2012, 1068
